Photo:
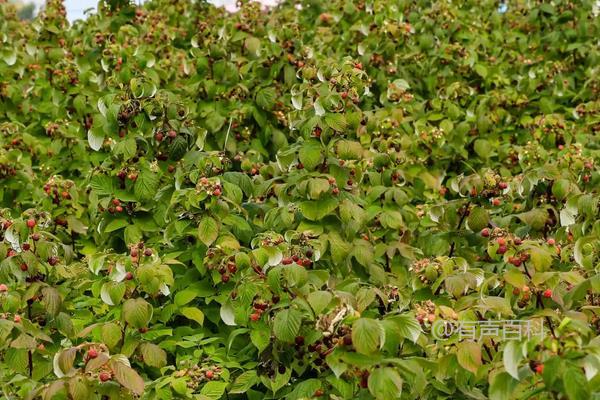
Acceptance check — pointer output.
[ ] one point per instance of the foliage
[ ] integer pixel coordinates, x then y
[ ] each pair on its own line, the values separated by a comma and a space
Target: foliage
281, 204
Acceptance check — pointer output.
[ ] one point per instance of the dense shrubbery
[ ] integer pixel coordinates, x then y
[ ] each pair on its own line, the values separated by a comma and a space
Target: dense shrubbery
196, 204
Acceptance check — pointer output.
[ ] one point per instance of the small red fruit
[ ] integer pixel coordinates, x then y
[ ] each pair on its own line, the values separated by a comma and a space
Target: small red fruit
159, 136
485, 232
286, 261
119, 209
255, 316
217, 192
503, 185
148, 252
26, 246
104, 376
53, 260
133, 252
116, 202
31, 223
225, 278
35, 237
24, 267
501, 241
3, 288
92, 353
132, 176
172, 134
318, 393
551, 242
518, 241
539, 369
17, 318
129, 276
335, 191
547, 293
516, 291
501, 250
11, 253
496, 202
209, 374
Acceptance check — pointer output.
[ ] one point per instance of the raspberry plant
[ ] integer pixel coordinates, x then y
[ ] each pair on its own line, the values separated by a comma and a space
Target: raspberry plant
282, 203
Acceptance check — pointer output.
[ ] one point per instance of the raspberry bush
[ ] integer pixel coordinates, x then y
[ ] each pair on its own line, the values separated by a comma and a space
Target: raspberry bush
283, 203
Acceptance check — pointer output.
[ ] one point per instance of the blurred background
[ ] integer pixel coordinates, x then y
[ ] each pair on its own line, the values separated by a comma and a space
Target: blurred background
76, 8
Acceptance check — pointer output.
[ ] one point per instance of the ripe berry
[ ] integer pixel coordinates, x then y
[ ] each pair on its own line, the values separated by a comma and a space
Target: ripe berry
171, 168
335, 191
217, 192
232, 268
65, 195
148, 252
172, 134
309, 253
159, 136
516, 291
52, 260
496, 202
539, 369
318, 393
225, 278
286, 260
348, 340
485, 232
547, 293
503, 185
143, 330
24, 267
255, 316
31, 223
133, 252
116, 202
501, 250
129, 276
526, 289
551, 242
3, 288
11, 253
119, 209
518, 241
515, 261
17, 318
209, 374
331, 181
501, 241
92, 353
104, 376
132, 176
35, 237
299, 340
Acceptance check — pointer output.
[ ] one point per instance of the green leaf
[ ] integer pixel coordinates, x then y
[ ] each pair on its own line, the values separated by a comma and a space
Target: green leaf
310, 154
286, 324
316, 210
511, 357
208, 230
266, 97
337, 122
111, 334
469, 356
244, 382
193, 313
137, 312
153, 355
576, 386
502, 387
126, 376
385, 383
146, 185
367, 335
